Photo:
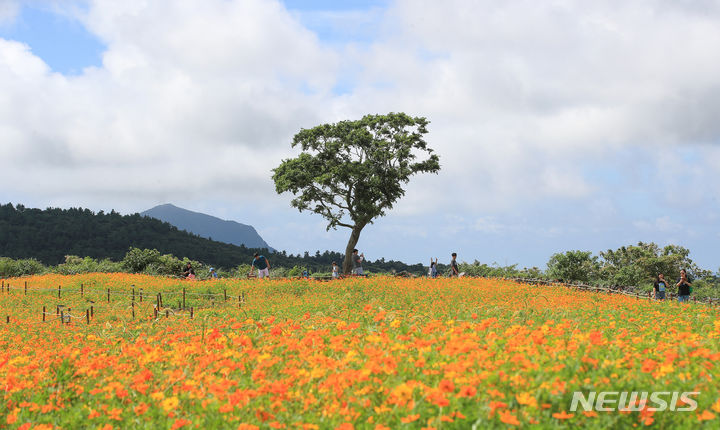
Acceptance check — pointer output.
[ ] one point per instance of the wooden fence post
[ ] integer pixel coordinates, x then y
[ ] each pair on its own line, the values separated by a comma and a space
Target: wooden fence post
183, 304
26, 288
191, 312
87, 315
82, 289
43, 313
108, 295
225, 292
58, 291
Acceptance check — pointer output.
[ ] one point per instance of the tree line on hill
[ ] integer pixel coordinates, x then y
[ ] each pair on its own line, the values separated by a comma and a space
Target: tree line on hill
50, 235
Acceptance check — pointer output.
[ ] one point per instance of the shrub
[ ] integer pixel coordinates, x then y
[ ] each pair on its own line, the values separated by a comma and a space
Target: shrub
10, 268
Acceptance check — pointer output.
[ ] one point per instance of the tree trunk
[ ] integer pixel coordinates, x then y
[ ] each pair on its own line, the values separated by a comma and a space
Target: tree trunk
354, 237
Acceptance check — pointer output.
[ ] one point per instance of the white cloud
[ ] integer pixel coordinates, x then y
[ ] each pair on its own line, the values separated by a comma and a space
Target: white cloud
662, 224
9, 10
198, 100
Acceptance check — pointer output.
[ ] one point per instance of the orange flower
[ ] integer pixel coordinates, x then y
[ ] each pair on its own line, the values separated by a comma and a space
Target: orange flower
180, 422
508, 418
562, 415
706, 416
410, 418
467, 391
141, 408
447, 386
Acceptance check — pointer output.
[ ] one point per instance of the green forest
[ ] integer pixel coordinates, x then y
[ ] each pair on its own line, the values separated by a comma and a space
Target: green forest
52, 235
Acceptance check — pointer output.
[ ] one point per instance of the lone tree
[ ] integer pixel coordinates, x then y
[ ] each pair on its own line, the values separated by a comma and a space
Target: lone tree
352, 172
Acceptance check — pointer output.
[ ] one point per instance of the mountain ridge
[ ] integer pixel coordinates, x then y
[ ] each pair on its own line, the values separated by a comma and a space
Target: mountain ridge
208, 226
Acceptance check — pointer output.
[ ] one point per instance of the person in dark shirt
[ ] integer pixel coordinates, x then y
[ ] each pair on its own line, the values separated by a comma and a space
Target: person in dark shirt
262, 264
683, 286
454, 265
659, 287
357, 260
189, 272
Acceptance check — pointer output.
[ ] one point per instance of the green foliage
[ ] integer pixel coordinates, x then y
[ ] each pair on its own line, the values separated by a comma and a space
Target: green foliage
136, 260
295, 271
151, 262
573, 266
482, 269
10, 268
641, 263
352, 172
74, 264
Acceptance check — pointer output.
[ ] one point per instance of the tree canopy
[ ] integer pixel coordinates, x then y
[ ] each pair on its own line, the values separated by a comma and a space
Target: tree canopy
352, 172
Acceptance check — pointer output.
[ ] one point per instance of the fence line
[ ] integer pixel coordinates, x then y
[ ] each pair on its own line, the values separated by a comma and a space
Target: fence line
609, 290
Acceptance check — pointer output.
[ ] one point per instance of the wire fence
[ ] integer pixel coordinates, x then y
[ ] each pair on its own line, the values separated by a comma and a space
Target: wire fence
130, 303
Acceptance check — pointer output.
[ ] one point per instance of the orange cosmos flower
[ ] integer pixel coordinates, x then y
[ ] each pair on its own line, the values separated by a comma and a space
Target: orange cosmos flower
508, 418
562, 415
410, 418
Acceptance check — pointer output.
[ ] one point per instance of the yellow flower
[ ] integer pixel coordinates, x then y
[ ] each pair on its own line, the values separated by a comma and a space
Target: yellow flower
170, 403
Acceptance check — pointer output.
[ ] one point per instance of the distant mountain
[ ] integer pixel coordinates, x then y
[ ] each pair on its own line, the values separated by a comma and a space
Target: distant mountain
207, 226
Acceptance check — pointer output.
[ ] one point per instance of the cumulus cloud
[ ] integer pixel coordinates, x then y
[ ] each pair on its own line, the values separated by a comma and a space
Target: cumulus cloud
191, 96
528, 102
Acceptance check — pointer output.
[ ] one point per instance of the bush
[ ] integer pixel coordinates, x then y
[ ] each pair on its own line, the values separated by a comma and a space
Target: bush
295, 271
74, 264
573, 266
137, 260
10, 268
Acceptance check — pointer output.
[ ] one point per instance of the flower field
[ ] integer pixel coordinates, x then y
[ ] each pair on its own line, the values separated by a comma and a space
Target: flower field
372, 353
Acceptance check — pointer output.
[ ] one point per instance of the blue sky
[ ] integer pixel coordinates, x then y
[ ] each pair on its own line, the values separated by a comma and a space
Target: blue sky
60, 40
559, 127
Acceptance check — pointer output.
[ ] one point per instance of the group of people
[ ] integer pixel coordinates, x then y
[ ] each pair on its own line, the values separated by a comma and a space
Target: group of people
262, 264
454, 272
683, 285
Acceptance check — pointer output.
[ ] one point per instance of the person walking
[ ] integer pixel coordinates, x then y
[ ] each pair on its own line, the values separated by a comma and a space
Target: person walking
684, 287
454, 266
357, 260
659, 287
335, 270
262, 264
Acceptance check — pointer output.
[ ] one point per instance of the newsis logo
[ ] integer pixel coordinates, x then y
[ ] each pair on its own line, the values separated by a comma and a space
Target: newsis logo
605, 401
